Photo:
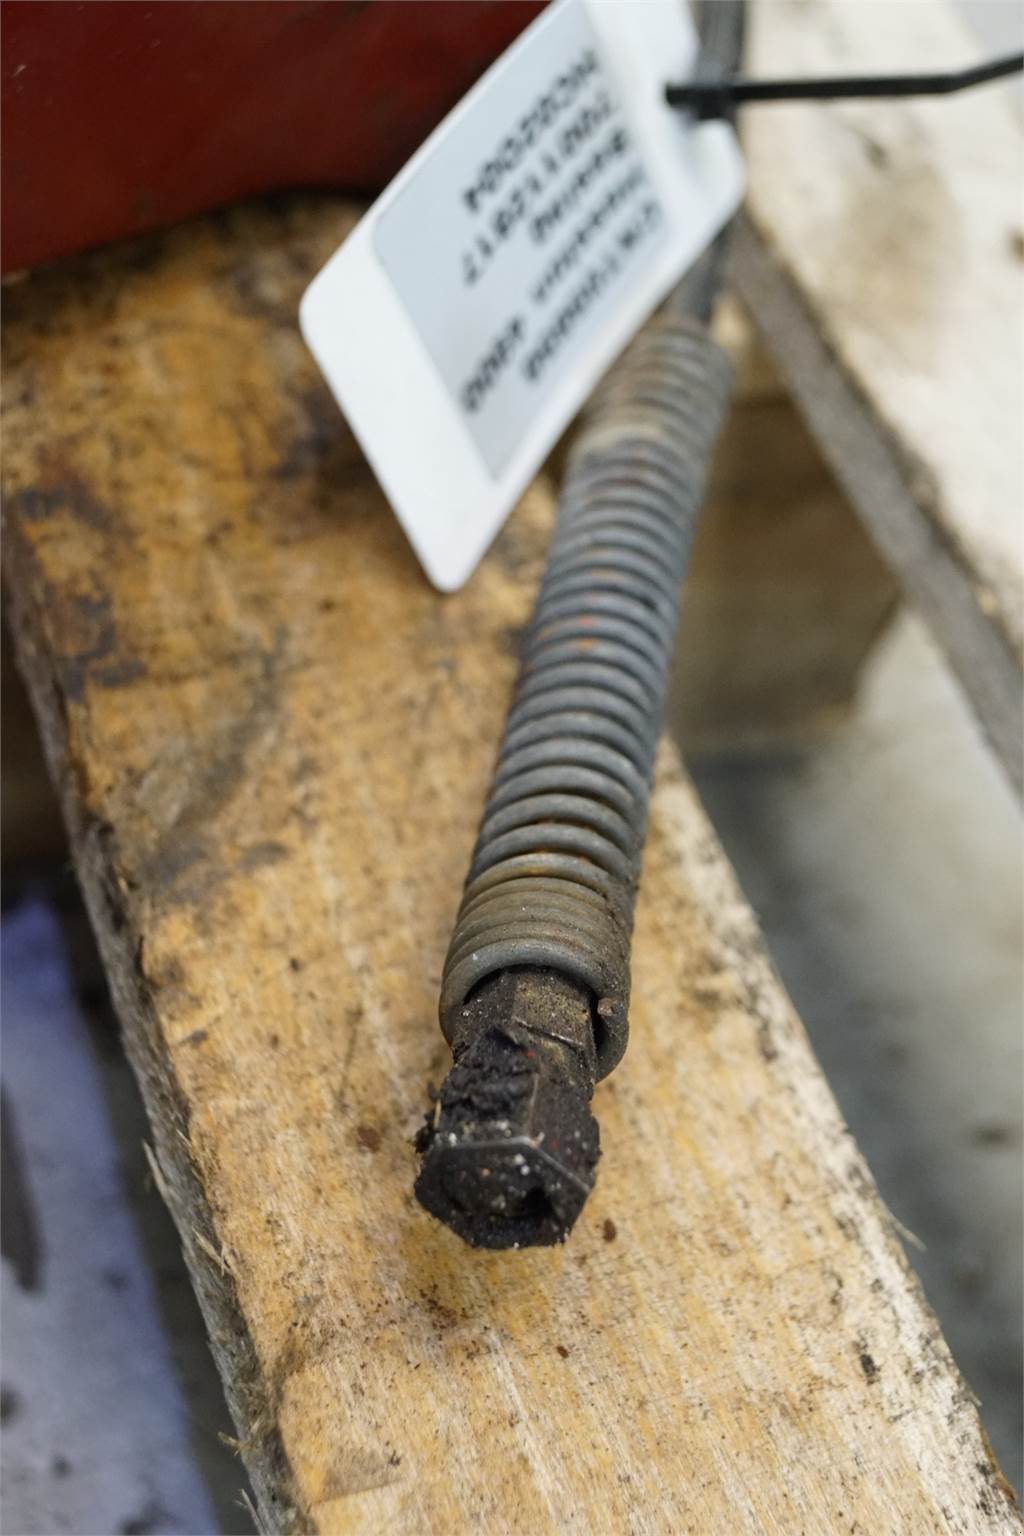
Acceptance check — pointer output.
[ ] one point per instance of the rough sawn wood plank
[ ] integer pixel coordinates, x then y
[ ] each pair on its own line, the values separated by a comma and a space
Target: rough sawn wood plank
272, 740
883, 260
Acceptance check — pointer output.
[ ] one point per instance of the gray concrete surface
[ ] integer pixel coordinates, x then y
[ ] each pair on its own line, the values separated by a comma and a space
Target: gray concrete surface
111, 1406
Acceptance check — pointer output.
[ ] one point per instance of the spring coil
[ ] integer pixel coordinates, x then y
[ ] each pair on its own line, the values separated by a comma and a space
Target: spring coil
554, 873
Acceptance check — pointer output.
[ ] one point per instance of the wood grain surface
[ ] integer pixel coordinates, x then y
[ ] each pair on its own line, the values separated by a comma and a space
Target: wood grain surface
272, 741
785, 591
883, 260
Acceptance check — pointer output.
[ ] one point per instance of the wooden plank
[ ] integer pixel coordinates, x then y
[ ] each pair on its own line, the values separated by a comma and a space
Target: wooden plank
883, 261
771, 644
272, 741
30, 826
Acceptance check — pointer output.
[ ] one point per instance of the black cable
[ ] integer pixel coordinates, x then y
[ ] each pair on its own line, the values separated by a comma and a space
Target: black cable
720, 98
721, 28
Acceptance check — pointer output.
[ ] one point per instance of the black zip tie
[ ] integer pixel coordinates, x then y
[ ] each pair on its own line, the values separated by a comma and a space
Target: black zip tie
719, 98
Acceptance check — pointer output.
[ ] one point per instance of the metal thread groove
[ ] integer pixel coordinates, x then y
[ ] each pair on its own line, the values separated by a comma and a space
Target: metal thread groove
555, 869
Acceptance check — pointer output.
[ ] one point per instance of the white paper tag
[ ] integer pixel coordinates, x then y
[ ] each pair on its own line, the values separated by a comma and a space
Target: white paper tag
472, 310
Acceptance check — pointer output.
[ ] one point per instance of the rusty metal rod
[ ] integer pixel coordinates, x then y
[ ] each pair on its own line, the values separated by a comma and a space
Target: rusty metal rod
535, 993
536, 984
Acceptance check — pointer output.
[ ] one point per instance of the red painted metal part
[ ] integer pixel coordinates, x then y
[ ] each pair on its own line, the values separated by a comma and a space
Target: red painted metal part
120, 116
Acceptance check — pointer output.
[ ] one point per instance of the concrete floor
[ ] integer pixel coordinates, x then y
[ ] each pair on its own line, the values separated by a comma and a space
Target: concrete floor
112, 1407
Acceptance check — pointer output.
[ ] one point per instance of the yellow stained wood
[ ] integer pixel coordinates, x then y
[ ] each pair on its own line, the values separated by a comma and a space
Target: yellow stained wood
273, 740
883, 263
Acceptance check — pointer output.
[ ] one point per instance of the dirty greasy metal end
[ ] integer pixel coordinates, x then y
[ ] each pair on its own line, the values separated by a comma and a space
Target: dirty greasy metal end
510, 1151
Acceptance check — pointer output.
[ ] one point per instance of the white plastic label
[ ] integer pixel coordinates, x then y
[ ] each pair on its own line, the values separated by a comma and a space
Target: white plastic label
471, 311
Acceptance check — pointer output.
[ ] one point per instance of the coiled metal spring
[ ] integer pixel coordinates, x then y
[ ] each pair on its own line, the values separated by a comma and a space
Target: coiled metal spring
553, 877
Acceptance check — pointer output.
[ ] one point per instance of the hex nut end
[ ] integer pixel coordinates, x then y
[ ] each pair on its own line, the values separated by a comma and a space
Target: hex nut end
511, 1149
